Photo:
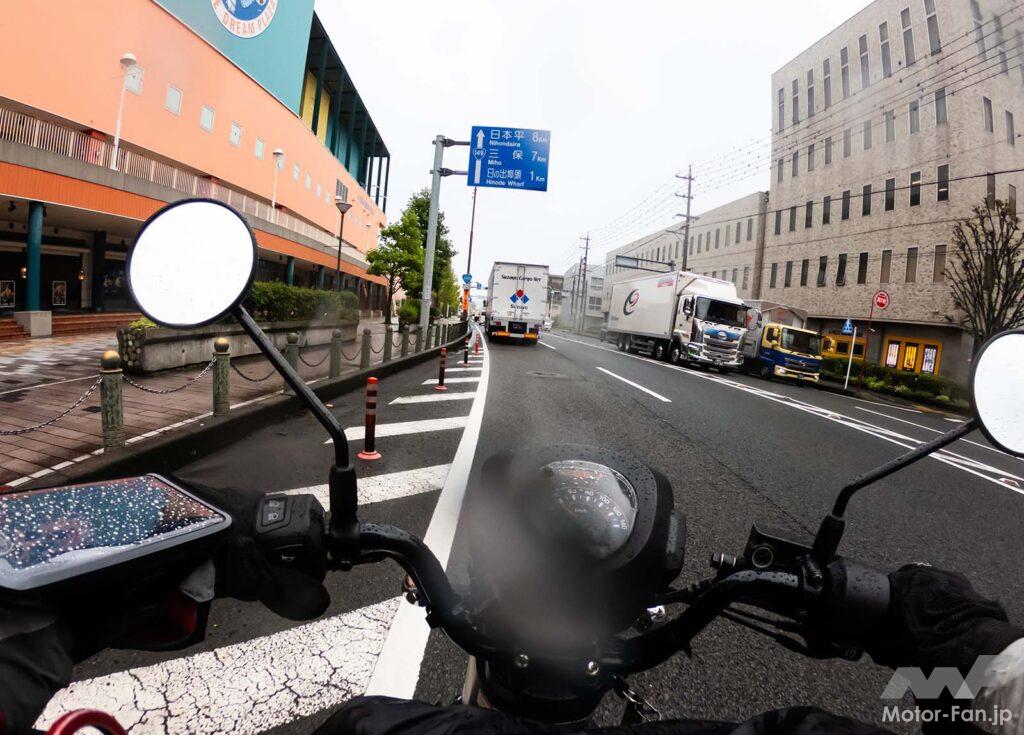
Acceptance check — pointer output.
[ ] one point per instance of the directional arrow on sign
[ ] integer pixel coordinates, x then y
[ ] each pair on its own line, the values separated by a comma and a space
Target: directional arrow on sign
480, 139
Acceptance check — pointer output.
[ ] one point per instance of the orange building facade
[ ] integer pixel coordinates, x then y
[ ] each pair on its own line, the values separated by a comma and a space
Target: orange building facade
244, 101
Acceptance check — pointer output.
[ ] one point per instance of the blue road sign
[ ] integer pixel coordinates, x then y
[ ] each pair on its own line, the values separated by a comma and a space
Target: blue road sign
479, 285
467, 278
848, 327
509, 158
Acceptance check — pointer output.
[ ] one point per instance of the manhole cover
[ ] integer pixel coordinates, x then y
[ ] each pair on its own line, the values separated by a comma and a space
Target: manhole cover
544, 374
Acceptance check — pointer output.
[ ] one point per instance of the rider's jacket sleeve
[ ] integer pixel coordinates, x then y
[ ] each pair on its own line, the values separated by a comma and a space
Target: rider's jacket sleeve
1002, 693
35, 661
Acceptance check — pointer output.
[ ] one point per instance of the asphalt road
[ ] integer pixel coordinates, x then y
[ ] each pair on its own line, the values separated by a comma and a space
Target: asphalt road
738, 450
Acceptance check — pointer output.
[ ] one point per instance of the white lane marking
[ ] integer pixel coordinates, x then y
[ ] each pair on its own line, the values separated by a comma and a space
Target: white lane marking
936, 431
648, 391
955, 421
398, 428
463, 370
391, 486
545, 344
433, 381
434, 398
986, 472
243, 688
398, 666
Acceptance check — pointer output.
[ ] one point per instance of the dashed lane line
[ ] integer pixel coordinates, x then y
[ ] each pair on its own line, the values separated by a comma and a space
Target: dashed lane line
434, 398
648, 391
545, 344
391, 486
398, 428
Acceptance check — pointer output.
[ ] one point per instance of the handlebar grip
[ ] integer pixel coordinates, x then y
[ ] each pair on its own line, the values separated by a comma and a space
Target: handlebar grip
290, 529
858, 601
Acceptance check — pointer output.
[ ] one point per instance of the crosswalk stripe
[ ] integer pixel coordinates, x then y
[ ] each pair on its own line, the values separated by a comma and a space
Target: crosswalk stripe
433, 381
434, 398
242, 688
463, 370
390, 486
357, 433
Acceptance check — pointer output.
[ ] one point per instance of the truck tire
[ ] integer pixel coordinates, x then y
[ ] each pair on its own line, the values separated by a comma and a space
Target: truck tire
767, 372
660, 351
620, 343
675, 353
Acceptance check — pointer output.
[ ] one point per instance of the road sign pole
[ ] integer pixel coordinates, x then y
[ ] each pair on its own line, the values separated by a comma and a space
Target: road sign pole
469, 256
849, 364
864, 357
428, 261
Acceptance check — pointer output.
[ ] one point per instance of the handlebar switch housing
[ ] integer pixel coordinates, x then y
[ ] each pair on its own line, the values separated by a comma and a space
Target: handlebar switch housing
290, 530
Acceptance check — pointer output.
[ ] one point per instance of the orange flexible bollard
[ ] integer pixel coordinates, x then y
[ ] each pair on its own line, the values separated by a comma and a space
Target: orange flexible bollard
440, 371
369, 450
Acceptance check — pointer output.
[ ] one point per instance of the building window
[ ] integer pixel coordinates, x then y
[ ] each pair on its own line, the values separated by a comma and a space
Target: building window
206, 116
892, 354
828, 150
778, 221
942, 183
883, 37
865, 201
997, 23
788, 280
844, 70
822, 269
846, 205
750, 228
809, 215
805, 267
295, 172
841, 270
1010, 137
746, 277
890, 125
810, 93
796, 101
810, 157
257, 149
1011, 199
990, 126
847, 142
911, 265
939, 265
915, 188
173, 100
862, 268
734, 272
990, 189
738, 231
826, 68
319, 190
883, 275
796, 164
826, 210
865, 70
909, 54
235, 138
782, 109
774, 275
915, 117
792, 219
779, 171
933, 26
867, 135
941, 116
890, 195
133, 79
979, 29
718, 237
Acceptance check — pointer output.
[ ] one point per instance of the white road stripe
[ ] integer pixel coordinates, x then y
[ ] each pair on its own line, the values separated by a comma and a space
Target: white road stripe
242, 688
391, 486
463, 370
545, 344
648, 391
398, 666
434, 398
357, 433
936, 431
433, 381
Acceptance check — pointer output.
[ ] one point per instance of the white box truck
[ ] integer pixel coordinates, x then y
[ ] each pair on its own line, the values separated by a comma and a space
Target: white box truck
682, 317
517, 301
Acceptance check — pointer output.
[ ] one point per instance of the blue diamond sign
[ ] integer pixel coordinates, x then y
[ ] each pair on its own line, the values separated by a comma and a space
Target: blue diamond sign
509, 158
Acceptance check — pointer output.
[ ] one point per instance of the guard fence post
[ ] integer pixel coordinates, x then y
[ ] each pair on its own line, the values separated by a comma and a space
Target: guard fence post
388, 336
405, 340
465, 352
419, 339
111, 403
437, 335
369, 436
291, 354
335, 366
440, 370
364, 352
221, 382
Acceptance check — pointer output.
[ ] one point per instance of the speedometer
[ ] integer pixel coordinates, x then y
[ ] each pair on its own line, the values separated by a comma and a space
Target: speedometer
598, 501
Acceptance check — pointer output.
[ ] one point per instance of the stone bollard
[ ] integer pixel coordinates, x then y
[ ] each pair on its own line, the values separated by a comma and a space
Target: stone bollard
291, 354
111, 404
431, 330
437, 335
364, 353
388, 337
221, 383
419, 339
335, 366
405, 340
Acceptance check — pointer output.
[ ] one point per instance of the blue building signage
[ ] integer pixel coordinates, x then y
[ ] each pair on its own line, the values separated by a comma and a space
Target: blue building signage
509, 158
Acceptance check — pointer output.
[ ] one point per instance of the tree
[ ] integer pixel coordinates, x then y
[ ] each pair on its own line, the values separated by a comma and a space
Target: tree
419, 204
399, 254
448, 292
986, 275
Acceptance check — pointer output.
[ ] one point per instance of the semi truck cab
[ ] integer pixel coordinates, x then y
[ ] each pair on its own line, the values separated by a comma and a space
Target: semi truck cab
710, 330
784, 351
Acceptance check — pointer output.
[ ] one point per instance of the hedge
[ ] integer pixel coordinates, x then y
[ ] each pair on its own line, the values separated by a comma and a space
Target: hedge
278, 302
899, 382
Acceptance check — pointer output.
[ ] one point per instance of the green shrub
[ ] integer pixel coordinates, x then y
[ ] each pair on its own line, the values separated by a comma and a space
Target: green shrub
901, 390
278, 302
874, 383
942, 398
408, 312
142, 323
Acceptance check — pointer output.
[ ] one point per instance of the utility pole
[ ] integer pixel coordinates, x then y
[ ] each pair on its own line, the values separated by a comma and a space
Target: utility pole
689, 198
469, 257
586, 282
575, 291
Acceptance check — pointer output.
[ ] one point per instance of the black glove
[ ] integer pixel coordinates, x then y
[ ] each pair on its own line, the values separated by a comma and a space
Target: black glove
937, 618
245, 573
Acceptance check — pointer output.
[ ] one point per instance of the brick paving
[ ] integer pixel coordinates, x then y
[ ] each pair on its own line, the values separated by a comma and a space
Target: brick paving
56, 372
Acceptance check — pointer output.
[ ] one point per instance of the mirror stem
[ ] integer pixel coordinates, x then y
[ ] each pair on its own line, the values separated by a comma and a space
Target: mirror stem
826, 543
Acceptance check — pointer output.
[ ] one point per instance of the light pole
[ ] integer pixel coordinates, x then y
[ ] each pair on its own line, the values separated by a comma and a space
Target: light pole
278, 163
343, 207
127, 62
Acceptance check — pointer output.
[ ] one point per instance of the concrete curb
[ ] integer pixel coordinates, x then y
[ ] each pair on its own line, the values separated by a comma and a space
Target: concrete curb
166, 453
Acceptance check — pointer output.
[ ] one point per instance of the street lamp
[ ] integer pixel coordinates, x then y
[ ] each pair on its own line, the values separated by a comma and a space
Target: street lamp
127, 64
343, 207
278, 163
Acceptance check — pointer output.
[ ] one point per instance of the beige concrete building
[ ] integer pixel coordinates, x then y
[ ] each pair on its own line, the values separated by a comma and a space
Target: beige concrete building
884, 133
583, 299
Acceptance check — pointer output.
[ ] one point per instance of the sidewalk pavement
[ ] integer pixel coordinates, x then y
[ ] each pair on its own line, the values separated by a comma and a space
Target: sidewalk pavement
52, 374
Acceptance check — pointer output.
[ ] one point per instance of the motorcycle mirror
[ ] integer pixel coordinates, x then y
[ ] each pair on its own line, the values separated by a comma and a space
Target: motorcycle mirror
996, 383
191, 263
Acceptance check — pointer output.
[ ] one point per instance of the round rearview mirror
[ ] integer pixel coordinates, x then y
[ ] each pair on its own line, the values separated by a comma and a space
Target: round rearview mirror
998, 386
192, 261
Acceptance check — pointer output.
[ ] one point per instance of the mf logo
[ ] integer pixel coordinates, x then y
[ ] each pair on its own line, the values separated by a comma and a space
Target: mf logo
245, 18
631, 301
943, 679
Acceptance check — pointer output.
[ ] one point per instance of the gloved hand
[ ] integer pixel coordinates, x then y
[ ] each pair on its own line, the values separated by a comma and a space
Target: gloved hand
938, 619
244, 572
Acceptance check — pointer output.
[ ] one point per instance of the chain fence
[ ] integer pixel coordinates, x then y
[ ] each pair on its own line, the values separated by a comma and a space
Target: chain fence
242, 375
166, 391
350, 359
317, 364
55, 419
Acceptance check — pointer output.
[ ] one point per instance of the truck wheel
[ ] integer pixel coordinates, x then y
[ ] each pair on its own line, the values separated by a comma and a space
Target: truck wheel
621, 343
767, 372
659, 351
675, 354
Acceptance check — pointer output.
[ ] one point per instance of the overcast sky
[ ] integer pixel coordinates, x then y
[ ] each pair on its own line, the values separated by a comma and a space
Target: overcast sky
630, 97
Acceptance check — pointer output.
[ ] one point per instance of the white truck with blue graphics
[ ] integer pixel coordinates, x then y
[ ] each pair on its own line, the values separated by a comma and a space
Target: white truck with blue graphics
517, 301
682, 317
